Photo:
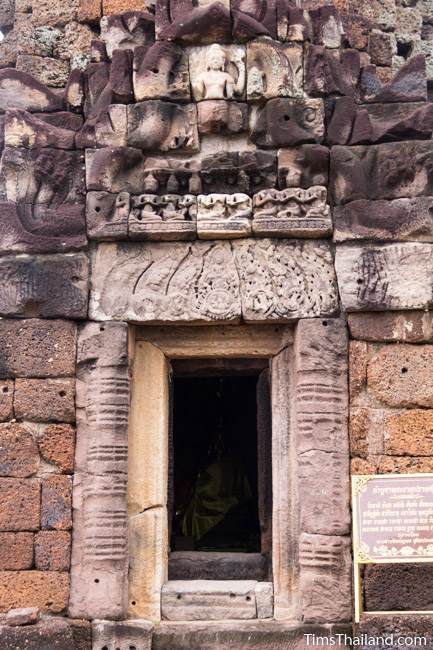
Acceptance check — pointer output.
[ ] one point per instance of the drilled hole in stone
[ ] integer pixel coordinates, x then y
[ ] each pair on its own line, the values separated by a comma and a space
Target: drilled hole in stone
155, 70
97, 209
286, 118
5, 389
248, 598
133, 602
404, 370
96, 580
75, 278
102, 328
105, 647
178, 596
62, 393
232, 595
359, 281
325, 323
132, 647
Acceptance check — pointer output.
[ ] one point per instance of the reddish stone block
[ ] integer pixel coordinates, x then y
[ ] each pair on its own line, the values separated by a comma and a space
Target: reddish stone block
357, 369
52, 550
363, 466
394, 587
404, 465
37, 348
16, 551
19, 455
6, 400
56, 503
48, 590
57, 446
392, 326
50, 633
358, 432
409, 433
89, 11
45, 400
20, 504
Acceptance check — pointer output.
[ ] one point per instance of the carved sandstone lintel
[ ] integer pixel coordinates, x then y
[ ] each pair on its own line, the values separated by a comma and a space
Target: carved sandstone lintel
224, 216
163, 218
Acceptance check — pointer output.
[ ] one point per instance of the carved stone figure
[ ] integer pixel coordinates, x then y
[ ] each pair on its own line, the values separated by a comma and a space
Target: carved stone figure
220, 116
171, 176
245, 171
223, 216
162, 126
163, 218
303, 166
293, 22
107, 215
23, 129
331, 71
217, 72
292, 213
288, 122
274, 70
127, 30
193, 21
161, 72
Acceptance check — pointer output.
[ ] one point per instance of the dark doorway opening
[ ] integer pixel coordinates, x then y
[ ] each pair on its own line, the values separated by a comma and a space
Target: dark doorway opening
220, 468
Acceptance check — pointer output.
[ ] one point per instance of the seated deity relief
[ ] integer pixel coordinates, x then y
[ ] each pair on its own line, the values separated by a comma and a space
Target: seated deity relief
171, 176
293, 212
161, 72
162, 126
223, 216
107, 215
163, 218
274, 69
217, 72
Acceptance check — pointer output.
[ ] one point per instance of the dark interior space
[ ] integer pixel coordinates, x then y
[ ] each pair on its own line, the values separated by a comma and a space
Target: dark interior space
215, 465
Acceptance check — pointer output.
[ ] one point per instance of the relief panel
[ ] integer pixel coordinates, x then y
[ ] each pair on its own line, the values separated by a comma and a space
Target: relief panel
224, 216
217, 72
274, 70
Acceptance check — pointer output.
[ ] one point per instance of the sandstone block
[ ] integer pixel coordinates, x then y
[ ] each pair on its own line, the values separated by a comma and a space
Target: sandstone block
126, 634
19, 90
56, 503
221, 116
303, 166
357, 370
388, 276
115, 169
293, 23
223, 216
45, 400
111, 126
385, 171
45, 13
399, 375
409, 84
120, 79
16, 551
161, 72
48, 590
193, 22
22, 129
49, 286
6, 400
287, 122
248, 171
22, 616
331, 71
37, 348
19, 456
327, 25
51, 72
20, 504
57, 445
162, 126
52, 550
274, 69
7, 14
208, 600
51, 632
89, 11
170, 217
404, 326
251, 19
398, 586
128, 31
398, 220
107, 215
409, 433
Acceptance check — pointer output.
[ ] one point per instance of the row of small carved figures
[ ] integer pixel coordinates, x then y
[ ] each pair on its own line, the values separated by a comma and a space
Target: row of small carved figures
289, 203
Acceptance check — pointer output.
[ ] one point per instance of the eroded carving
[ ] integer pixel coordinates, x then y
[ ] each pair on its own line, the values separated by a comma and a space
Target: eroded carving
107, 215
224, 216
331, 71
288, 122
254, 18
293, 22
220, 116
245, 171
274, 70
303, 166
292, 213
161, 71
193, 21
171, 176
217, 72
20, 90
409, 84
127, 30
163, 218
162, 126
115, 169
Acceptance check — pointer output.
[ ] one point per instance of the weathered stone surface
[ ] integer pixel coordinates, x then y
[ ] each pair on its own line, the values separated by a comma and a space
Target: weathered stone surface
7, 13
274, 69
50, 72
49, 286
221, 116
110, 128
45, 400
47, 590
173, 282
402, 465
247, 171
288, 122
37, 348
409, 433
357, 369
292, 213
107, 215
193, 22
303, 166
398, 587
18, 451
162, 126
409, 84
89, 11
385, 171
20, 504
404, 326
22, 616
391, 372
121, 76
163, 218
404, 625
116, 169
208, 600
57, 445
331, 71
56, 503
293, 23
75, 42
398, 220
16, 551
205, 565
283, 281
22, 129
52, 550
20, 90
51, 632
99, 549
388, 276
42, 200
45, 13
327, 26
123, 635
161, 72
223, 216
6, 400
381, 47
127, 31
252, 19
217, 72
325, 582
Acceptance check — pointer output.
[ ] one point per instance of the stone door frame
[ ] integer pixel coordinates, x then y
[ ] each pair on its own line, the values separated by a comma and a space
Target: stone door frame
311, 561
